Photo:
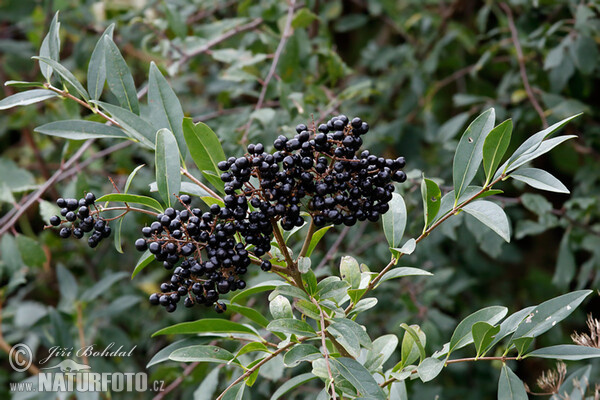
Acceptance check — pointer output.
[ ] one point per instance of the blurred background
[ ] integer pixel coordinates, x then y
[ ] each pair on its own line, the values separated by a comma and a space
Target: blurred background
417, 71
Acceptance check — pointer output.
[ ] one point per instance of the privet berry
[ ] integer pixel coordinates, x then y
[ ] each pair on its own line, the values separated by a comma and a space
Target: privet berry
79, 219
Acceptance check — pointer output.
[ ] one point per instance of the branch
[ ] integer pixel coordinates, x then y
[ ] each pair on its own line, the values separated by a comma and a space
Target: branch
307, 240
521, 60
197, 182
324, 344
287, 32
81, 331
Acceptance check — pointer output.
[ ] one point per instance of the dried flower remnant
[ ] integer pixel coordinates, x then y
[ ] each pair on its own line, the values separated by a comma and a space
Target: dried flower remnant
551, 380
593, 338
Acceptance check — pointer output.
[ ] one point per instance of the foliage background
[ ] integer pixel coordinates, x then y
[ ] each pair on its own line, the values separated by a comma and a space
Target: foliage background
416, 71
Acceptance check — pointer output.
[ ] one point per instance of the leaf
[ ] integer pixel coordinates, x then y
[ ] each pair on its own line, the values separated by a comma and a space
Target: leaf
249, 313
495, 146
549, 313
80, 130
316, 238
280, 307
394, 221
206, 325
137, 127
407, 248
383, 348
413, 345
510, 386
236, 392
168, 175
346, 338
291, 384
401, 272
509, 325
96, 73
566, 264
163, 354
67, 285
491, 215
303, 18
131, 176
66, 75
202, 353
204, 146
539, 179
432, 195
31, 252
208, 386
469, 152
118, 76
259, 288
522, 344
347, 325
350, 271
483, 334
101, 286
291, 326
23, 84
301, 352
50, 47
26, 98
462, 335
252, 347
359, 377
142, 263
132, 198
165, 109
430, 368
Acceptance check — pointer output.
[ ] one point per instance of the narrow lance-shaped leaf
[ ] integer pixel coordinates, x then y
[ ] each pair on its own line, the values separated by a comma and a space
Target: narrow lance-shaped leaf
66, 75
432, 195
202, 353
316, 238
292, 384
165, 109
142, 263
394, 221
26, 98
206, 325
469, 152
205, 149
134, 125
50, 47
569, 352
359, 377
463, 336
96, 73
539, 179
168, 175
119, 78
495, 146
80, 130
133, 199
491, 215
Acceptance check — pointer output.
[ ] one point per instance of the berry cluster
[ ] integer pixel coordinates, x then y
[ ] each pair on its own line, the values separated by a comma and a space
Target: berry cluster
318, 171
79, 219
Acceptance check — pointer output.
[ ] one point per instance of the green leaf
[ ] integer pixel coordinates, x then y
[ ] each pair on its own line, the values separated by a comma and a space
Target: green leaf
301, 352
252, 347
80, 130
303, 18
316, 238
165, 109
32, 253
469, 152
291, 384
566, 265
347, 325
134, 125
509, 325
430, 368
23, 84
280, 307
483, 334
168, 175
491, 215
539, 179
495, 146
67, 286
25, 98
102, 286
510, 386
549, 313
413, 345
350, 271
131, 176
432, 195
259, 288
202, 353
236, 392
206, 325
345, 337
584, 53
383, 348
96, 73
204, 146
522, 344
407, 248
571, 387
163, 354
359, 377
332, 289
462, 334
142, 263
394, 221
66, 75
291, 326
132, 198
401, 272
118, 76
50, 47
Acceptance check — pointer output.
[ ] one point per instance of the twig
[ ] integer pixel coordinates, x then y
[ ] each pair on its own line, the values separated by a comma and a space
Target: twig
81, 332
197, 182
324, 344
307, 240
521, 60
287, 32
